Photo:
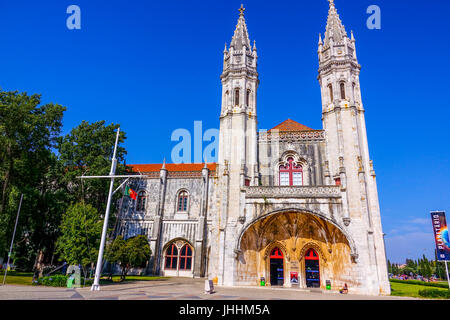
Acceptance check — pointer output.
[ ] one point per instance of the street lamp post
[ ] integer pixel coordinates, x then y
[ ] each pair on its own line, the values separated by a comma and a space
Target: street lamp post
12, 240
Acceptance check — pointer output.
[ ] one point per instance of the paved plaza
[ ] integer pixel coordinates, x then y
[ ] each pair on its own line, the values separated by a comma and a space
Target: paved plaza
173, 289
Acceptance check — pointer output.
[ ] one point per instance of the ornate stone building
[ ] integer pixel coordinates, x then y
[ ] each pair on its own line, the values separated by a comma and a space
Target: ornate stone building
292, 205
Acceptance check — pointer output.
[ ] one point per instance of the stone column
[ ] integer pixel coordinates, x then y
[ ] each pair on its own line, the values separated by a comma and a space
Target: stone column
155, 240
200, 241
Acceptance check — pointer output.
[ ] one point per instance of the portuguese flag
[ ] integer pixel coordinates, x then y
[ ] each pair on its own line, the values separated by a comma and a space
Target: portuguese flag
130, 192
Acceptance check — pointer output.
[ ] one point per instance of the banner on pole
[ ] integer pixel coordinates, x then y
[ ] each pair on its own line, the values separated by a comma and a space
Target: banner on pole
441, 236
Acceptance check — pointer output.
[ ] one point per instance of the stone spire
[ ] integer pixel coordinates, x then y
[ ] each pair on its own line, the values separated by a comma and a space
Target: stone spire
240, 37
335, 29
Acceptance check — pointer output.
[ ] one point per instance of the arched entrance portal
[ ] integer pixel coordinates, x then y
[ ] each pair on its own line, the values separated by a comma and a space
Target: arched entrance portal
312, 269
282, 240
276, 267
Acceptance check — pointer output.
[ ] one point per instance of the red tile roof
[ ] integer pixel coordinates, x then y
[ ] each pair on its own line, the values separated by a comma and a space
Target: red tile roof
291, 125
171, 167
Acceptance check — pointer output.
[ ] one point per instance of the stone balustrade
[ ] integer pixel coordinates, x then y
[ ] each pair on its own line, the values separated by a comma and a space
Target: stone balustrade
292, 192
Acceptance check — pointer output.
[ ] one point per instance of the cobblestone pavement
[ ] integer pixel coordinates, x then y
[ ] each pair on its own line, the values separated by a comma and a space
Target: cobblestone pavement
173, 289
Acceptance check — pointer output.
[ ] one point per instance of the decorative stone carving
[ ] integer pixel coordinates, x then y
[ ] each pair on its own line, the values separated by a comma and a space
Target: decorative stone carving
293, 192
346, 221
294, 136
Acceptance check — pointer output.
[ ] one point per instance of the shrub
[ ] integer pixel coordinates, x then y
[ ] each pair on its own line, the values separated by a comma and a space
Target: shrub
59, 281
53, 281
434, 293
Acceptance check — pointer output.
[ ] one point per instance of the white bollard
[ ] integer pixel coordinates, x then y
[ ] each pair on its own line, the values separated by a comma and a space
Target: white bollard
209, 287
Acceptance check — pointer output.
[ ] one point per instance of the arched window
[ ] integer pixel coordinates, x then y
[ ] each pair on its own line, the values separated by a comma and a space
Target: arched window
182, 203
171, 257
226, 101
342, 90
141, 201
247, 101
291, 174
311, 254
276, 254
186, 258
236, 96
330, 88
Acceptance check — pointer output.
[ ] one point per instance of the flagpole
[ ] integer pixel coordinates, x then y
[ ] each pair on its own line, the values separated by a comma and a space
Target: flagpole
98, 269
12, 240
446, 270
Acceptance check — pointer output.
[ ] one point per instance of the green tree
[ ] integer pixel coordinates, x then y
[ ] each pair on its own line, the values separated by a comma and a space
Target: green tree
81, 229
28, 135
395, 269
87, 150
131, 253
439, 267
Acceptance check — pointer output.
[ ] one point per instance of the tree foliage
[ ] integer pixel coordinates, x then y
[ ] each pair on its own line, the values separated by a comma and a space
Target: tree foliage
35, 160
87, 150
28, 134
131, 253
81, 229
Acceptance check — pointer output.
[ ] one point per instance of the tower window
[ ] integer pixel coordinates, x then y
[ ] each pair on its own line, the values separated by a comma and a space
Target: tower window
248, 98
342, 90
236, 97
330, 87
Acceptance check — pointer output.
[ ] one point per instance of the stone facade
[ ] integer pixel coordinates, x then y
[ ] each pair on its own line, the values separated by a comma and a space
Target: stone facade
224, 220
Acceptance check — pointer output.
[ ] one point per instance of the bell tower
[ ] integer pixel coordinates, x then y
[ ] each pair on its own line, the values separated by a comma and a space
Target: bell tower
238, 121
238, 163
347, 151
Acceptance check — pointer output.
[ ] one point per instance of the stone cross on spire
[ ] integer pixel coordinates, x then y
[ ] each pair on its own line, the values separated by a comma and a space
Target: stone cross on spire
241, 10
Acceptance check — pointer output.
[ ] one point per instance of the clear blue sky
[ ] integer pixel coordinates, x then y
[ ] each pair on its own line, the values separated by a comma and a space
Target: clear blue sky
154, 66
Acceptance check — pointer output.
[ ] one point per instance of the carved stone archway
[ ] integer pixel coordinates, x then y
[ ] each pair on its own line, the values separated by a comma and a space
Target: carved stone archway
293, 232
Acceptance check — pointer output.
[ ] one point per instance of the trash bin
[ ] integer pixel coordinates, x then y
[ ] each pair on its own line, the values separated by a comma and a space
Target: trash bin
263, 282
70, 281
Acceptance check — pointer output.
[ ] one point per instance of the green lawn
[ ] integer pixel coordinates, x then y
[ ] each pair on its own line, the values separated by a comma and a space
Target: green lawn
409, 290
13, 277
25, 278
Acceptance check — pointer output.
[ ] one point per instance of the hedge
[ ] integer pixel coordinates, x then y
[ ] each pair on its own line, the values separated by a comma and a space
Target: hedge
422, 283
434, 293
59, 281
